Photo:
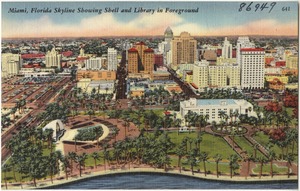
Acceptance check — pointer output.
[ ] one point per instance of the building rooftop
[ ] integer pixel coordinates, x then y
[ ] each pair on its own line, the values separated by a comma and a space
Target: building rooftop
252, 49
215, 102
149, 50
132, 50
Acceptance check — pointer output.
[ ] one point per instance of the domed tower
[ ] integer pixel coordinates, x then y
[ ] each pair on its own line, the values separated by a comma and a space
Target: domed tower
168, 34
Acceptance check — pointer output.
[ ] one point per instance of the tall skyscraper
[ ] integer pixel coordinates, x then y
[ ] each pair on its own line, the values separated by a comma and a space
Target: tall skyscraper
242, 42
200, 74
184, 49
53, 59
216, 76
168, 38
252, 67
133, 61
165, 46
227, 49
112, 59
140, 58
10, 64
148, 61
233, 73
140, 47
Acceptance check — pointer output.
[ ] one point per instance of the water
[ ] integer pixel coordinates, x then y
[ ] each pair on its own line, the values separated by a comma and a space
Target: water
166, 181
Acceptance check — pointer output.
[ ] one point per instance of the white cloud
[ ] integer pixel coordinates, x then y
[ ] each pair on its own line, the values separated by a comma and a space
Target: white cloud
144, 24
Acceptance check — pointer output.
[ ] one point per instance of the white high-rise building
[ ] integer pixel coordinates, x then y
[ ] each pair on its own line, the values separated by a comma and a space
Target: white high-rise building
242, 42
13, 67
252, 67
226, 49
233, 73
94, 63
216, 76
112, 61
200, 74
10, 64
53, 59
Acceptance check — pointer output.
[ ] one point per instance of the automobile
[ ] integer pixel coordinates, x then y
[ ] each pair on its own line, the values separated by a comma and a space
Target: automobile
183, 129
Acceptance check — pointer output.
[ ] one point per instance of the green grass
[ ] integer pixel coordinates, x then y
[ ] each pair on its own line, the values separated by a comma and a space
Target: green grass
264, 140
246, 146
46, 151
211, 144
266, 169
90, 160
10, 176
210, 165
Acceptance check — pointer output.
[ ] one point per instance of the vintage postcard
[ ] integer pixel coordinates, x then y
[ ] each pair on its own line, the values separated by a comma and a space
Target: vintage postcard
149, 95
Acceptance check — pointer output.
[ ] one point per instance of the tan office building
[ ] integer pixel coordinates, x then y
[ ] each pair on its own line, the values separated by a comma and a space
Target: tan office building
184, 49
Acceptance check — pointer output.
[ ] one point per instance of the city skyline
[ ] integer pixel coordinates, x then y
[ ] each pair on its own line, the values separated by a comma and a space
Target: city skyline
211, 19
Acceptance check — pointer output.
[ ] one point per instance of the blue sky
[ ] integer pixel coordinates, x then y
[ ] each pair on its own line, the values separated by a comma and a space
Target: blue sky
212, 19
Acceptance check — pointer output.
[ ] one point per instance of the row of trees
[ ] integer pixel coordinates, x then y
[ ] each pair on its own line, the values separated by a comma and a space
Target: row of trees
27, 156
228, 93
19, 106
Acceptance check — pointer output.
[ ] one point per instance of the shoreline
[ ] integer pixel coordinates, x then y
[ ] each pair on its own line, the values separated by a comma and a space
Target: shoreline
210, 177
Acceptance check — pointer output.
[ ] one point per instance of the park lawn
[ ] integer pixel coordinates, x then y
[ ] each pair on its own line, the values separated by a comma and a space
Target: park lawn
264, 140
246, 146
210, 165
211, 144
10, 174
46, 151
266, 169
91, 162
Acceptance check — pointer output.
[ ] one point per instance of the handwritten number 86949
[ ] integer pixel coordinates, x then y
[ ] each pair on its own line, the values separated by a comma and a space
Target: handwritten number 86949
257, 6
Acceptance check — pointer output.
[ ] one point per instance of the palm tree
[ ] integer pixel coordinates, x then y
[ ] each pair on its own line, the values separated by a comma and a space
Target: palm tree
203, 157
5, 169
72, 156
271, 157
49, 134
65, 166
115, 132
289, 159
255, 147
192, 159
98, 132
180, 151
222, 114
218, 158
198, 141
249, 159
233, 163
96, 157
177, 124
106, 158
80, 159
262, 160
292, 135
51, 166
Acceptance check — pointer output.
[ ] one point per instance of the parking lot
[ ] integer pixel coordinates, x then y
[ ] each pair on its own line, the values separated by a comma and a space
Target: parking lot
29, 88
